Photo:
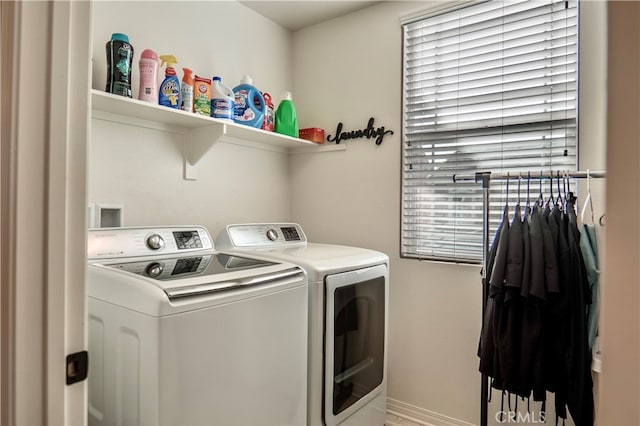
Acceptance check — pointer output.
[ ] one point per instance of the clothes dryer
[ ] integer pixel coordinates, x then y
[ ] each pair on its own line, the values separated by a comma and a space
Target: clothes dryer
181, 334
348, 314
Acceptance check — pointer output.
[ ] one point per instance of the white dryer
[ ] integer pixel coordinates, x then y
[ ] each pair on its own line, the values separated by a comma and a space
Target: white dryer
348, 314
181, 334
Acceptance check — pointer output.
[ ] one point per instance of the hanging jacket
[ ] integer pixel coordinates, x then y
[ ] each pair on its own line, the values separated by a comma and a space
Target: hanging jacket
580, 391
486, 345
510, 314
589, 249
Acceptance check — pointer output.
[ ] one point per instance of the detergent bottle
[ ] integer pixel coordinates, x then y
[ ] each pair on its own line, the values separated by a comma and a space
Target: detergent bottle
148, 65
169, 94
286, 118
119, 61
186, 90
221, 100
249, 104
269, 109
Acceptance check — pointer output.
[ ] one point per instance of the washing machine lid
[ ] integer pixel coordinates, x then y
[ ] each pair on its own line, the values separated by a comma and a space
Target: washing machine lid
203, 272
200, 265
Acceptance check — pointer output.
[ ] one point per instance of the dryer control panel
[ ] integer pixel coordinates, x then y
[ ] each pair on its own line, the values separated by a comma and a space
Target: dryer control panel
261, 235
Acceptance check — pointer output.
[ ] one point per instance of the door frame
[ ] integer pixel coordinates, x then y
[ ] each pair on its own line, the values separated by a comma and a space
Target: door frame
45, 131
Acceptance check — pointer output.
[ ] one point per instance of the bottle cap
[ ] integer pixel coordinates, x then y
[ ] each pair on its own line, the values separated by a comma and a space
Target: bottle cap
286, 96
246, 80
217, 79
120, 37
149, 54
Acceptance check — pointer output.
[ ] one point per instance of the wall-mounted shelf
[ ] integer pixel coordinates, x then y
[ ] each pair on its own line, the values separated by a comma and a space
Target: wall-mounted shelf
202, 132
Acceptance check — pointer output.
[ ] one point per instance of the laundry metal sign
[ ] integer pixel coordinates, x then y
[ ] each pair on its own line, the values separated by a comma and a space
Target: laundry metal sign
369, 132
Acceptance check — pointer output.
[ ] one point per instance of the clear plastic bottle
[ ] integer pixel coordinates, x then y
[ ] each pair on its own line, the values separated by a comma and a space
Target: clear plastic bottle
286, 121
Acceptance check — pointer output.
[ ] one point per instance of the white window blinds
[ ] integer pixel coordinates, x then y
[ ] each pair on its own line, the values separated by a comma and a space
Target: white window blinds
489, 87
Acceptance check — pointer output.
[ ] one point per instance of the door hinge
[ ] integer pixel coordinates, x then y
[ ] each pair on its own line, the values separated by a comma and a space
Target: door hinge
77, 367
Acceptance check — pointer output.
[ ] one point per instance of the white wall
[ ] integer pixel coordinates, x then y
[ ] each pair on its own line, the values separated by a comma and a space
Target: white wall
235, 183
347, 70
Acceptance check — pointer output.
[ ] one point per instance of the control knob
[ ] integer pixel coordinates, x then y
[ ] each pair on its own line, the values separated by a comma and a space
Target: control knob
155, 242
272, 234
154, 269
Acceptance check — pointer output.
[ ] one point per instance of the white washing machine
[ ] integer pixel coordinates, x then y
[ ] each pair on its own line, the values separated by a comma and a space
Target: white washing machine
348, 314
181, 334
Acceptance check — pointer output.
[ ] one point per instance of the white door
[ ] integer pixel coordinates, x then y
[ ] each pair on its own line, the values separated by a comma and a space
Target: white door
45, 77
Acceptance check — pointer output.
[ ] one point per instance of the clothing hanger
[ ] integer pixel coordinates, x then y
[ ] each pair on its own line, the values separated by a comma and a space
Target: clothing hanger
588, 200
528, 190
517, 212
506, 198
559, 199
540, 200
551, 201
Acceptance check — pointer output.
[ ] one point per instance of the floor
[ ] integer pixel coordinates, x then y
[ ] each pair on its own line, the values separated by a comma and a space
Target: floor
400, 421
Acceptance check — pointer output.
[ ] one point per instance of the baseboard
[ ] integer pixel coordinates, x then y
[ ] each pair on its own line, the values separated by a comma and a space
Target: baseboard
421, 415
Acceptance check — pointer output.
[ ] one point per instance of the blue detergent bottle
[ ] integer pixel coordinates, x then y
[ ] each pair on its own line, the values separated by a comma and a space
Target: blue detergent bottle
249, 104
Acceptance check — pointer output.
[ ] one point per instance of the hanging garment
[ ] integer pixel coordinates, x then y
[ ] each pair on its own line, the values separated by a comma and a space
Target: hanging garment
486, 346
589, 248
496, 293
580, 390
510, 313
534, 337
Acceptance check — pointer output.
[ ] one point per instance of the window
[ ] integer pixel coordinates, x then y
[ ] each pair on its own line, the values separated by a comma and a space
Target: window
488, 87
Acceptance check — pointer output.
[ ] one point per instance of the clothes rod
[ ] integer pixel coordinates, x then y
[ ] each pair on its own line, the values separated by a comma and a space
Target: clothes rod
483, 176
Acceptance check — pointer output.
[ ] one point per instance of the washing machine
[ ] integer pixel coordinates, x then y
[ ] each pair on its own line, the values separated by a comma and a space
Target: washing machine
348, 314
183, 334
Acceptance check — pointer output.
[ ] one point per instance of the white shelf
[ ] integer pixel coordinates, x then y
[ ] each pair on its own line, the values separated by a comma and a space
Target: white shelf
202, 132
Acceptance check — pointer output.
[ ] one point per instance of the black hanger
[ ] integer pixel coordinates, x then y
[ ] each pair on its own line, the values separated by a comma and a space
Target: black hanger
540, 200
559, 198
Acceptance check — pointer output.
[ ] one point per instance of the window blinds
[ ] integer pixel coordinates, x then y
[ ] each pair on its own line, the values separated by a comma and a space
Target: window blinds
489, 87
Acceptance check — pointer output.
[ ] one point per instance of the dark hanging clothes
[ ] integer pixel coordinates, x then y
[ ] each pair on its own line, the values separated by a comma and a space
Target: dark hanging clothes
490, 356
486, 346
580, 392
510, 312
534, 337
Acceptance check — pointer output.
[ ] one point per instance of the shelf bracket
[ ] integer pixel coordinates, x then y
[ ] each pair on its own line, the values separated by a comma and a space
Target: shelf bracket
198, 141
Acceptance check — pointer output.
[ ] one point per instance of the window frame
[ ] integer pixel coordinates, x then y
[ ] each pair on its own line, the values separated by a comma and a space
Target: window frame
496, 189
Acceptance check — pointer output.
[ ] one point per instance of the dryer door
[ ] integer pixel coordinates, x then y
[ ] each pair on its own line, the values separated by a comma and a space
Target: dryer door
355, 340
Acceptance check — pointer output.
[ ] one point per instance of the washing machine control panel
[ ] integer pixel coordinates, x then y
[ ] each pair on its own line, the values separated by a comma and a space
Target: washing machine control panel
109, 243
261, 235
